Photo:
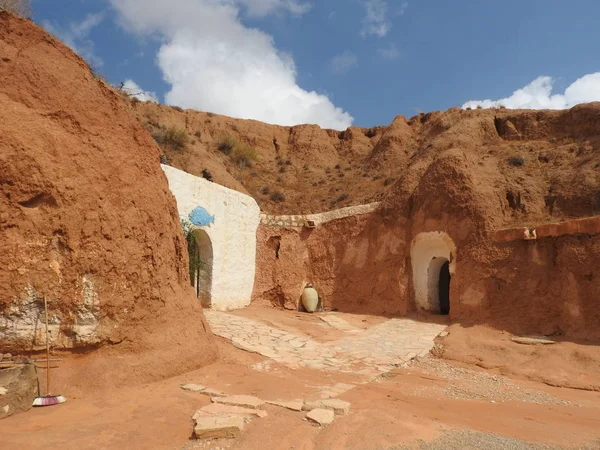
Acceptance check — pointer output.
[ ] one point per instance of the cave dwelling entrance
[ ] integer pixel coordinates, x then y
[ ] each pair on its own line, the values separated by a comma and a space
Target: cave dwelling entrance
433, 263
200, 252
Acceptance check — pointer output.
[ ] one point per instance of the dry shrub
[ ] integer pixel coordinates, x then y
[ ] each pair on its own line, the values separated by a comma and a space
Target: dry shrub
176, 138
20, 7
516, 161
242, 154
173, 138
278, 196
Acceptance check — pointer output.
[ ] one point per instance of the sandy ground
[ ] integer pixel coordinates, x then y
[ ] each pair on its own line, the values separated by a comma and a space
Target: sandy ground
308, 324
432, 404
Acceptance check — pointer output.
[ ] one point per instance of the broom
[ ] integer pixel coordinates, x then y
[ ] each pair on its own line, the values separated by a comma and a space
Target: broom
48, 400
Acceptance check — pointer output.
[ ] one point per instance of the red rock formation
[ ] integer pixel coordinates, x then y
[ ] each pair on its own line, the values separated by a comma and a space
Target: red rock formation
468, 179
86, 217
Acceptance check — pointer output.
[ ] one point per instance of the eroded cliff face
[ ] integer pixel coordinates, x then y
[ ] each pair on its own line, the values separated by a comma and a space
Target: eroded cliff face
545, 163
86, 216
367, 263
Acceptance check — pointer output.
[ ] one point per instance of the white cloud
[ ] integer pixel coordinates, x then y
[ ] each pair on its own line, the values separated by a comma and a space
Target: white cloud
343, 62
261, 8
538, 95
133, 90
390, 52
76, 36
215, 63
376, 21
402, 9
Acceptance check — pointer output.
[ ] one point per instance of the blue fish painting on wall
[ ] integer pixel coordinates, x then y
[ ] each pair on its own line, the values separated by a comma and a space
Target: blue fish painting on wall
200, 217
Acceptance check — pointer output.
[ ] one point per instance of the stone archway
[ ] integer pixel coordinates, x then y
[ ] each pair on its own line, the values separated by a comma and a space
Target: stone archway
433, 263
200, 252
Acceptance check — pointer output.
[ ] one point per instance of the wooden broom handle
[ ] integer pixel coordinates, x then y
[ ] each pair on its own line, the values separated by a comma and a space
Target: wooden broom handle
47, 349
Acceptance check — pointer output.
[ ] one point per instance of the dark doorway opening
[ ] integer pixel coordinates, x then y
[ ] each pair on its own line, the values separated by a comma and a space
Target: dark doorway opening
444, 289
201, 260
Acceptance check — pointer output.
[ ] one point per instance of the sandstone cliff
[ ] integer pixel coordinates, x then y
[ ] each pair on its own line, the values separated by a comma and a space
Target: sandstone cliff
543, 165
86, 217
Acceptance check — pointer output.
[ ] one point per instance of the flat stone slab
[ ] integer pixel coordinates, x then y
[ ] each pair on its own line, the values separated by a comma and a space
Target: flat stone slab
532, 340
245, 401
193, 387
339, 407
338, 323
217, 427
212, 393
294, 405
367, 352
343, 387
228, 410
321, 416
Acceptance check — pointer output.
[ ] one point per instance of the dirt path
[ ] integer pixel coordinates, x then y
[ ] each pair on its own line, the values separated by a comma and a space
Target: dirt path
367, 352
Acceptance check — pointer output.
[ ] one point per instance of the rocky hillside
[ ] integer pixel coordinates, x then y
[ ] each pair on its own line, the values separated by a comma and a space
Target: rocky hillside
546, 162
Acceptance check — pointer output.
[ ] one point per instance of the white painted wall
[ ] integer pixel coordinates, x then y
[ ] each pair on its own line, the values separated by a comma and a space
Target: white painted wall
233, 234
426, 270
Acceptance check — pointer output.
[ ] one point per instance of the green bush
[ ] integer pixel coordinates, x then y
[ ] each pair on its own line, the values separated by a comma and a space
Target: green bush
242, 154
278, 196
172, 138
226, 144
516, 161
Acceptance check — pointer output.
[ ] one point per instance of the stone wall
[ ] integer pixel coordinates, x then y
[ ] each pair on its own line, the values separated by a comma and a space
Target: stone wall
586, 225
313, 220
233, 234
356, 263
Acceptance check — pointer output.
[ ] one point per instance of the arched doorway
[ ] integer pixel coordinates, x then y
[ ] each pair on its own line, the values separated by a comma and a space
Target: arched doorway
200, 252
432, 257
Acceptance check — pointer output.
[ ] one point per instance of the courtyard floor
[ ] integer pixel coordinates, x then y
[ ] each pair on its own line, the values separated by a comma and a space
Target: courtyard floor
363, 351
411, 383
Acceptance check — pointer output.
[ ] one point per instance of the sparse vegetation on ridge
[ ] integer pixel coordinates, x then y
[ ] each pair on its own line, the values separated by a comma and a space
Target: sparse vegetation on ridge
20, 7
172, 137
242, 154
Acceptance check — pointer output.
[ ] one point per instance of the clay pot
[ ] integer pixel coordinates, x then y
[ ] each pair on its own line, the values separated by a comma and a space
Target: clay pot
310, 298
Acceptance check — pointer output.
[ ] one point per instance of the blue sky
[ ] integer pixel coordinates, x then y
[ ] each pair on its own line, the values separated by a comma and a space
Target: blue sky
338, 62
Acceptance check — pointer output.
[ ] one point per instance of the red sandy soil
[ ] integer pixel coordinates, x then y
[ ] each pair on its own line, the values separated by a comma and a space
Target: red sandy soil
310, 325
571, 364
417, 402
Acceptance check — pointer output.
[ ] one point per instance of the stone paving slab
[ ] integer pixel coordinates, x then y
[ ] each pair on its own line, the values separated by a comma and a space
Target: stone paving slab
321, 416
218, 427
338, 323
373, 351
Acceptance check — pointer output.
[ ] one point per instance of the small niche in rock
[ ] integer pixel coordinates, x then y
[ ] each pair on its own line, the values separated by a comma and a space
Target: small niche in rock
499, 125
549, 201
514, 200
40, 200
371, 132
275, 243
